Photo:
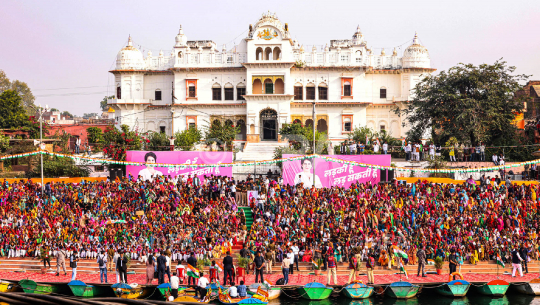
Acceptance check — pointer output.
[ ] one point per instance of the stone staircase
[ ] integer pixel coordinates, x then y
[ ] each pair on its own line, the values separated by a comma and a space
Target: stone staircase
91, 267
259, 151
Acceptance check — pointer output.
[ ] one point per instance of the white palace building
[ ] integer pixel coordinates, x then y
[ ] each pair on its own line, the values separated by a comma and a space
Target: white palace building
267, 80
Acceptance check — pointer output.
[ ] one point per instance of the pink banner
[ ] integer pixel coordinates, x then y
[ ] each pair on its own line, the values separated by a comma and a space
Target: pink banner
328, 174
178, 157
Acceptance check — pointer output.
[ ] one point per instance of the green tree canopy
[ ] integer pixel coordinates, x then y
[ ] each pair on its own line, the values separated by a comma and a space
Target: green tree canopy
22, 90
472, 103
12, 113
221, 133
103, 103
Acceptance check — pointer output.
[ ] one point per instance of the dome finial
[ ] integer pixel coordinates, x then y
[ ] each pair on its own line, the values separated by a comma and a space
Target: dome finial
180, 31
130, 42
415, 39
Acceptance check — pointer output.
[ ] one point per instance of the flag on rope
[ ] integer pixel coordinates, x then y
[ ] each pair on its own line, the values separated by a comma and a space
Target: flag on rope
500, 261
430, 262
400, 253
219, 266
367, 140
192, 271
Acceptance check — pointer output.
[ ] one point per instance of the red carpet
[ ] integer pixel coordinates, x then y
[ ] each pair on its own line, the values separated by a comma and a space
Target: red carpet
296, 279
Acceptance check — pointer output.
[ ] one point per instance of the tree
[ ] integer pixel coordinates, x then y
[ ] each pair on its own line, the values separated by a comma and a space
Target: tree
95, 135
4, 143
54, 109
158, 141
301, 137
221, 133
103, 103
67, 114
12, 113
59, 167
21, 88
5, 84
472, 103
117, 142
187, 138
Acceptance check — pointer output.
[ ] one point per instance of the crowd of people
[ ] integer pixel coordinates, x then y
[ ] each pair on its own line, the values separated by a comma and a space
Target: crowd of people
188, 220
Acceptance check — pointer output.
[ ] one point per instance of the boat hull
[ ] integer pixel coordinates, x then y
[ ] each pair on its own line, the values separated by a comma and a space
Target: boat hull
132, 293
358, 293
187, 299
453, 290
493, 290
315, 293
273, 293
8, 287
30, 286
406, 292
528, 288
88, 291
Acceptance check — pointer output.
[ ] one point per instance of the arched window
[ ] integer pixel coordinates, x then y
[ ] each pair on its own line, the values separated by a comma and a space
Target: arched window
180, 54
229, 92
118, 92
279, 86
310, 91
358, 56
347, 89
297, 121
323, 92
268, 53
216, 123
382, 93
277, 53
229, 123
240, 91
241, 135
268, 86
257, 86
309, 122
298, 93
157, 95
258, 53
216, 92
322, 126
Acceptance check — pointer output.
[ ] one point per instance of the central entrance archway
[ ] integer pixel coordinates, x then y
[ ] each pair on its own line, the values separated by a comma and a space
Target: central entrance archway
269, 125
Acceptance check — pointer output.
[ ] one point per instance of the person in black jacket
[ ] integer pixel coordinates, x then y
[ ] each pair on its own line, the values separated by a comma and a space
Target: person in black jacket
161, 267
524, 253
121, 266
193, 262
228, 266
259, 264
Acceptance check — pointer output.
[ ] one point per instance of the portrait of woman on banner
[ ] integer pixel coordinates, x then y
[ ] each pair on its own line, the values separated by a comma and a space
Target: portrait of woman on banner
306, 176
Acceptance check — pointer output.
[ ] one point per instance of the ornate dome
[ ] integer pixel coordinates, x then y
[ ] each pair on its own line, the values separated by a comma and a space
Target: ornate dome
268, 19
358, 37
416, 55
130, 58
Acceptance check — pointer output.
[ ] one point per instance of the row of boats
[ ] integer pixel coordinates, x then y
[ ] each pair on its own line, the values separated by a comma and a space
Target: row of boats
262, 293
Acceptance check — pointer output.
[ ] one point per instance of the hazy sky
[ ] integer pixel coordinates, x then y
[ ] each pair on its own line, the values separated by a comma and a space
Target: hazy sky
54, 45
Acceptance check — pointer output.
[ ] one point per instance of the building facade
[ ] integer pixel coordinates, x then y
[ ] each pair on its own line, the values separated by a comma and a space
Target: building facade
265, 81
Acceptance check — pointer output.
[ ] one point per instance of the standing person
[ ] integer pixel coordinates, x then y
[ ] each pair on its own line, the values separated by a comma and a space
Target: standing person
285, 269
162, 267
352, 148
385, 148
290, 256
524, 253
150, 269
332, 269
77, 145
110, 258
269, 260
370, 265
343, 149
191, 261
171, 143
259, 264
353, 265
102, 264
73, 259
296, 251
516, 262
201, 285
452, 154
121, 267
61, 260
175, 282
227, 269
46, 257
421, 255
452, 261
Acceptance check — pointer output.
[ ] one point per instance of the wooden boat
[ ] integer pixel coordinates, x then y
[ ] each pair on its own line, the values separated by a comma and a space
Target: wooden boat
530, 288
80, 289
457, 288
273, 292
185, 297
496, 288
6, 286
357, 290
315, 291
260, 298
132, 291
402, 290
30, 286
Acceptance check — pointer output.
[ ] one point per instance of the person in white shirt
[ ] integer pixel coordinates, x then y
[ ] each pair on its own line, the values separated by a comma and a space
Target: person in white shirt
233, 292
376, 148
201, 286
295, 251
181, 271
174, 281
385, 148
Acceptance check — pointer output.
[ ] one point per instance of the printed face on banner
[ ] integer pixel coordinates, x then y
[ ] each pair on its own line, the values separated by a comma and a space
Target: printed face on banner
187, 158
328, 173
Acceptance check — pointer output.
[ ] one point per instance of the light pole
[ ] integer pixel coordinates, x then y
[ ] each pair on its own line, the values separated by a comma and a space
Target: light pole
314, 136
40, 110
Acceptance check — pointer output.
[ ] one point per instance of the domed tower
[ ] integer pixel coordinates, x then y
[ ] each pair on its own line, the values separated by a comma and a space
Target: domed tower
416, 55
130, 58
358, 37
